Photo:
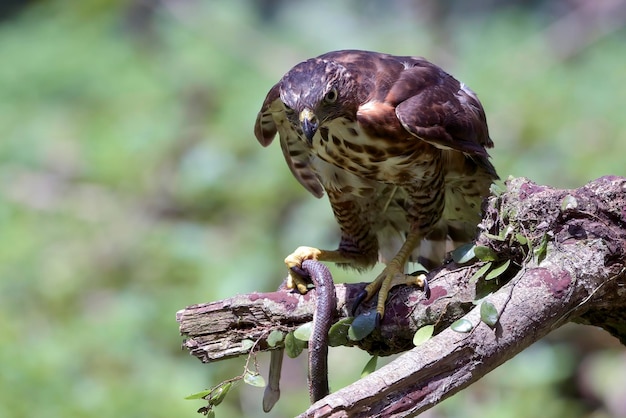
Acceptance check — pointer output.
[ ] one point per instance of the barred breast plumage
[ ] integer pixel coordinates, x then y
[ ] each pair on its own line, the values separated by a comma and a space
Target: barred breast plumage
398, 145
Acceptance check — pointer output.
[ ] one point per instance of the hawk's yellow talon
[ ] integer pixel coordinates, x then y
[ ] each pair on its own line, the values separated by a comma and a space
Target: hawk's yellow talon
295, 259
390, 277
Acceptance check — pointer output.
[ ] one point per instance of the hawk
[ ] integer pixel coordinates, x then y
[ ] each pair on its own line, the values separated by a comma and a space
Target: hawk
399, 147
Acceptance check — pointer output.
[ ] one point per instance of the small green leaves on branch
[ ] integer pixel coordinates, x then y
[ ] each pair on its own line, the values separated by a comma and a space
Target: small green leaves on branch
370, 366
303, 332
423, 334
362, 326
485, 253
462, 325
338, 333
488, 313
293, 345
275, 338
498, 270
480, 272
247, 344
464, 253
254, 379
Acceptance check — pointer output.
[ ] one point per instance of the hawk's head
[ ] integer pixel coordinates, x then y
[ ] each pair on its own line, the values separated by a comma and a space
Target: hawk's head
317, 91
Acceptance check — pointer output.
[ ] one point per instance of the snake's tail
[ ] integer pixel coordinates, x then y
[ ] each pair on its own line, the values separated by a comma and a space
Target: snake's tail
272, 390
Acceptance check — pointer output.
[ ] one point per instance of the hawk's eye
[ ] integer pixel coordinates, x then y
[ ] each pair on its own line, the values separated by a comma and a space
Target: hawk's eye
331, 96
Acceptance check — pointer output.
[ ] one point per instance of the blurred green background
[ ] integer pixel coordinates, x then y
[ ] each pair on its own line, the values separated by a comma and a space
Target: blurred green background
131, 185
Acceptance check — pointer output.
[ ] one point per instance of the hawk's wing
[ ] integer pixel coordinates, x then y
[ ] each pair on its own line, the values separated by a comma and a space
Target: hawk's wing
429, 103
272, 119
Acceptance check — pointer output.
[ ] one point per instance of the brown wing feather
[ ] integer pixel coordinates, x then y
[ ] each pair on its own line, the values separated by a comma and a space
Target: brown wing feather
272, 119
265, 127
438, 109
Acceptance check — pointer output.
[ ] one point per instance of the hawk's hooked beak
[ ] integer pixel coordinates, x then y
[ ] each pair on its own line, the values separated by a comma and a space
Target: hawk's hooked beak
309, 123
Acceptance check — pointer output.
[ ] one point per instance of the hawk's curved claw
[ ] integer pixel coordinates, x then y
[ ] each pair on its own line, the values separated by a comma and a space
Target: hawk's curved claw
426, 287
360, 298
298, 277
383, 284
420, 280
299, 271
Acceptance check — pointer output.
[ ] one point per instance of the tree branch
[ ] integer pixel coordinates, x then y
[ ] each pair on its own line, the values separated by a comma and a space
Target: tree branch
567, 261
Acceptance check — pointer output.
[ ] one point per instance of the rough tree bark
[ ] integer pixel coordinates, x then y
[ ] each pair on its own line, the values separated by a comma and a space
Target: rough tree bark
567, 262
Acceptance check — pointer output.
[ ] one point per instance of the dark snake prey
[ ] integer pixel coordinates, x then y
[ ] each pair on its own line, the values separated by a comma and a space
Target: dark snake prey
318, 342
322, 320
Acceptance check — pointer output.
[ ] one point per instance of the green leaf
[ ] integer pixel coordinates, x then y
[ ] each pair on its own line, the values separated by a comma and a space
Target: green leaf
498, 270
462, 325
542, 250
568, 202
530, 246
478, 301
303, 332
210, 414
254, 379
218, 395
370, 366
485, 253
497, 189
247, 344
423, 334
362, 326
293, 346
275, 338
488, 313
214, 396
521, 238
480, 273
419, 268
338, 333
464, 253
199, 395
496, 237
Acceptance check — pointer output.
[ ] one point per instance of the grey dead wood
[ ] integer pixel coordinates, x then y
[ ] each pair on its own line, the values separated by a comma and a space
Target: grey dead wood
580, 277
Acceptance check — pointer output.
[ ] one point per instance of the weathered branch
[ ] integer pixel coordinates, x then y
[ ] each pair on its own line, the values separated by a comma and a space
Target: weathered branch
577, 275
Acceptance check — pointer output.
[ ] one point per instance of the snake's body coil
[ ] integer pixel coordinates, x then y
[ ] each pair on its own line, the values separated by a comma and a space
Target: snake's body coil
322, 320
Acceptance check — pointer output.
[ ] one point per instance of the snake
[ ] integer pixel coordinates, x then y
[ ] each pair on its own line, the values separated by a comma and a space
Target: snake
322, 320
318, 342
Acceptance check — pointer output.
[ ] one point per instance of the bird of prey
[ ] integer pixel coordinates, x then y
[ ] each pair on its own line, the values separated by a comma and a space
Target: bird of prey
399, 147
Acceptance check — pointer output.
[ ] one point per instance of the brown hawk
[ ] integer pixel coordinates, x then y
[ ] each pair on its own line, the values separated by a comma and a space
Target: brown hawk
399, 147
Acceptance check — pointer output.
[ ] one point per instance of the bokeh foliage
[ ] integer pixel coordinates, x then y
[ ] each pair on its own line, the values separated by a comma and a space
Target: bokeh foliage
131, 185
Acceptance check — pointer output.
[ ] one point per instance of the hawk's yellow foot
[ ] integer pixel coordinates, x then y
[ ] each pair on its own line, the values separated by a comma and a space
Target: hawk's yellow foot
296, 280
294, 262
393, 275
